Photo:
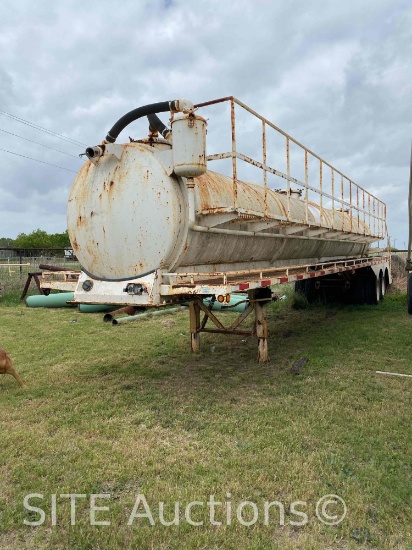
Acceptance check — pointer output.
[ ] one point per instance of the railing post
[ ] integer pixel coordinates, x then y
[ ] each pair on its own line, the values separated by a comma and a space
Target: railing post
364, 211
333, 197
265, 177
307, 187
234, 166
288, 177
321, 192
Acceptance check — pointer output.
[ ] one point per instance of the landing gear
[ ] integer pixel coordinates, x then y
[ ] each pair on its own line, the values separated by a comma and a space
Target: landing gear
257, 300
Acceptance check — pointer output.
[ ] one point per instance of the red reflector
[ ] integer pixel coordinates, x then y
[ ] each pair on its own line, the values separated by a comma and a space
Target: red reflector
243, 286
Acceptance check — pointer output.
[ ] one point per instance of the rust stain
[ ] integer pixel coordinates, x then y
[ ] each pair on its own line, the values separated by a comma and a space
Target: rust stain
81, 221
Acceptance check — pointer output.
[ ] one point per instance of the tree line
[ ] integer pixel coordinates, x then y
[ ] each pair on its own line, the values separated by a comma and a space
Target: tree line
37, 239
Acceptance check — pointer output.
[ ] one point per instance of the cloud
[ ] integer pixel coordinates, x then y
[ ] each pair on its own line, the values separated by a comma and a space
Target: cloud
334, 75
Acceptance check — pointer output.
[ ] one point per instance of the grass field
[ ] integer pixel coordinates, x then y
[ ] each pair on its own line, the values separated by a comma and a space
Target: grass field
128, 410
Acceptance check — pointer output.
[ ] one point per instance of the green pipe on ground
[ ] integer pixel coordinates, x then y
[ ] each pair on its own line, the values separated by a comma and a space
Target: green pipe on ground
52, 300
96, 308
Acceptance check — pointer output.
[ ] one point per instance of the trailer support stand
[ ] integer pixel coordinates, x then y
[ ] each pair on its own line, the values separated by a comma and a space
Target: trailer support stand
194, 312
261, 328
257, 298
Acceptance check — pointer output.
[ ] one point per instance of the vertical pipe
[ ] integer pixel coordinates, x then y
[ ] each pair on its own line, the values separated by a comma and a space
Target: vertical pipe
190, 184
357, 206
342, 188
234, 167
265, 175
351, 205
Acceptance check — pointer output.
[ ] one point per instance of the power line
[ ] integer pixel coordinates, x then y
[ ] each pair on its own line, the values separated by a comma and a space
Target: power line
42, 144
37, 160
37, 127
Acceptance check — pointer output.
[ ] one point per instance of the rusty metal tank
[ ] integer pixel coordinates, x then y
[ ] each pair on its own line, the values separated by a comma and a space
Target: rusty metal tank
129, 215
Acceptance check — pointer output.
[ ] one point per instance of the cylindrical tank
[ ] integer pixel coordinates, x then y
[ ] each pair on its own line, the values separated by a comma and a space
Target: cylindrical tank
129, 215
189, 145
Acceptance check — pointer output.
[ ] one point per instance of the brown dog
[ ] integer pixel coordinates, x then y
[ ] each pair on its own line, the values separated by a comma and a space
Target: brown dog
7, 367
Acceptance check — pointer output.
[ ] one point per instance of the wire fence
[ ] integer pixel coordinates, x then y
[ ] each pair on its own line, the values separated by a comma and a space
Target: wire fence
17, 263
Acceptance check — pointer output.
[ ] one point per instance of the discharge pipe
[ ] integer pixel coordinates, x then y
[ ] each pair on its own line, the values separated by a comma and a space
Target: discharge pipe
176, 105
130, 318
158, 125
129, 310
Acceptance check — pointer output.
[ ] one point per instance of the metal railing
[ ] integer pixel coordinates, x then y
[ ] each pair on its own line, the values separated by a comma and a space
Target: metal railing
345, 207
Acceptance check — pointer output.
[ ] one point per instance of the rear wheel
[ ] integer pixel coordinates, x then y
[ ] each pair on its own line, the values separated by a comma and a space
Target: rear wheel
307, 287
365, 289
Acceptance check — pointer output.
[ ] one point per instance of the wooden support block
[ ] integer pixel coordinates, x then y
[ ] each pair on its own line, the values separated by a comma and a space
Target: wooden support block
194, 313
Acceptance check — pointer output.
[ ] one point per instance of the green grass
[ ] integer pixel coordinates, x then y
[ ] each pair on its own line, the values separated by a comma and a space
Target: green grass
127, 410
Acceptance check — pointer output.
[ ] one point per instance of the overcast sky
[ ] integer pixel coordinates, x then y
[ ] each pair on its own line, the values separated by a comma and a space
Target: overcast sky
335, 75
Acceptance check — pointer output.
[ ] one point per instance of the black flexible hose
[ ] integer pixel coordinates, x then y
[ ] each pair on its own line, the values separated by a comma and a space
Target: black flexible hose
158, 125
151, 109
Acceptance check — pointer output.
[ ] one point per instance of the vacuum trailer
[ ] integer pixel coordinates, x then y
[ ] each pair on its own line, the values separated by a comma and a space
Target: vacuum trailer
153, 226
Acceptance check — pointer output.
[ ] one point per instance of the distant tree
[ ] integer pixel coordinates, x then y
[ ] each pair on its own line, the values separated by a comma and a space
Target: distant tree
5, 241
60, 240
41, 239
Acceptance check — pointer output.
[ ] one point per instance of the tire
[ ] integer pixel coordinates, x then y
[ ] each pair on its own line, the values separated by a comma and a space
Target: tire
383, 285
373, 292
365, 290
409, 293
307, 287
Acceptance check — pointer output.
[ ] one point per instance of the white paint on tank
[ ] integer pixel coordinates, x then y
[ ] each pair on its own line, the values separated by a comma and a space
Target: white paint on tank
125, 216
